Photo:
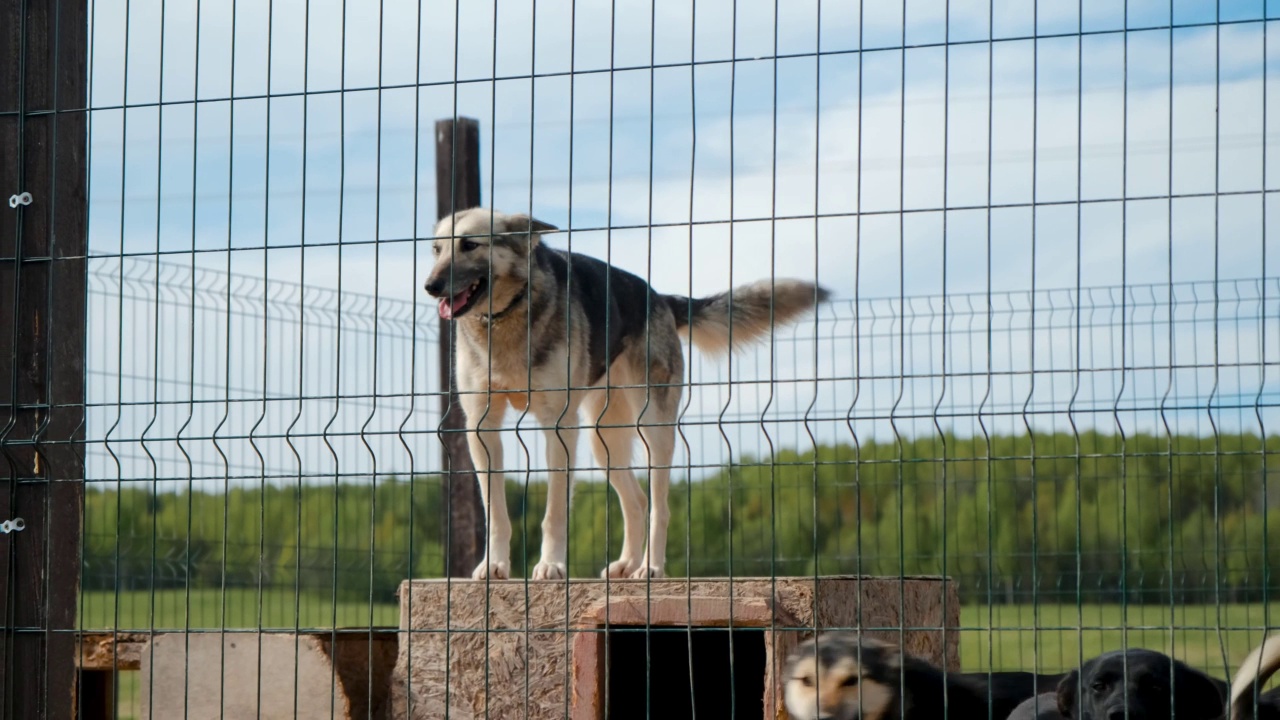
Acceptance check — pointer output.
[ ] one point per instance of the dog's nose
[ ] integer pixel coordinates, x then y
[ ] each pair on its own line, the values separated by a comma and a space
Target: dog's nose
435, 286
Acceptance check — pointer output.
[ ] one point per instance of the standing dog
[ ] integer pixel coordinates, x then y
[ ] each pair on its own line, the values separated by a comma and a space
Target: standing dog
559, 333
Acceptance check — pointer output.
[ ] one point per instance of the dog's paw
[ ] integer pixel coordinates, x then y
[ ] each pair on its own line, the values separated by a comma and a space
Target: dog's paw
647, 571
500, 570
619, 569
549, 571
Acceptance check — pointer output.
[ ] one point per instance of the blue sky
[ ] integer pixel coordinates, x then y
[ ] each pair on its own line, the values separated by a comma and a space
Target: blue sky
221, 173
715, 114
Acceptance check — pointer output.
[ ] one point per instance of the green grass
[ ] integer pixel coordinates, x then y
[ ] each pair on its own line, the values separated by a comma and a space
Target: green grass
1049, 638
1005, 637
167, 610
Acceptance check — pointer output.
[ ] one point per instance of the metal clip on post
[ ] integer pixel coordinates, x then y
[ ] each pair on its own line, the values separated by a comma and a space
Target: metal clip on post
14, 525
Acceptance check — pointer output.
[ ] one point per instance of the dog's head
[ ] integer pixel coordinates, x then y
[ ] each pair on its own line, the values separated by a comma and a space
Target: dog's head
1141, 683
481, 260
842, 676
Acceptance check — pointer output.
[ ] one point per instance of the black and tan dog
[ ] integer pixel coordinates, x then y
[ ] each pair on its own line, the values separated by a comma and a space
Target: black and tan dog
1139, 684
844, 675
561, 335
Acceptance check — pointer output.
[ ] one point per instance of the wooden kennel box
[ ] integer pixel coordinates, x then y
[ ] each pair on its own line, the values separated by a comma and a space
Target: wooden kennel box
593, 649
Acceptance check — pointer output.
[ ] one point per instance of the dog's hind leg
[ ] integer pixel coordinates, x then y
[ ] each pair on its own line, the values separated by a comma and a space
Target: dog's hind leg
660, 403
485, 445
557, 413
612, 443
660, 443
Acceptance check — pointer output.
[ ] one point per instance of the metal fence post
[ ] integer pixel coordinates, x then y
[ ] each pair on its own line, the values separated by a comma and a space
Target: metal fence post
457, 188
42, 367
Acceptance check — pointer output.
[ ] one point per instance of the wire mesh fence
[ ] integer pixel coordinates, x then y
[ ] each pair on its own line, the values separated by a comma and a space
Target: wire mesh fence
872, 354
1047, 370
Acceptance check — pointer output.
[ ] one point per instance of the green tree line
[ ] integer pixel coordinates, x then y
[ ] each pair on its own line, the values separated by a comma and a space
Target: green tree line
1096, 517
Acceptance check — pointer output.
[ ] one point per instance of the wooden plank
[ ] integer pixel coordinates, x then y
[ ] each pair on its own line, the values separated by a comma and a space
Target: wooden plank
110, 652
122, 652
457, 188
42, 296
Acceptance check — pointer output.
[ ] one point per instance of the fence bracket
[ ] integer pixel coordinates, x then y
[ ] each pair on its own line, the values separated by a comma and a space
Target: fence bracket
19, 199
15, 525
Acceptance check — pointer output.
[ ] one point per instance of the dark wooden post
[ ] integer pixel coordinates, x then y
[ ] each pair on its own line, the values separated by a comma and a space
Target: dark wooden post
457, 188
42, 349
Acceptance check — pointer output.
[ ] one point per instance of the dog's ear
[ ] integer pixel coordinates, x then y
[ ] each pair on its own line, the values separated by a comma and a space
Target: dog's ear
1067, 690
1196, 694
523, 224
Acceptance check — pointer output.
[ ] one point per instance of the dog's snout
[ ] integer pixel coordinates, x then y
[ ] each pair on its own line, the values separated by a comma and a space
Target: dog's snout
435, 285
829, 711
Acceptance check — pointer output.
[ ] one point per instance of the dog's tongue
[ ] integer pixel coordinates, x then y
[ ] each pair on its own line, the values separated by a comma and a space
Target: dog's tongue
449, 306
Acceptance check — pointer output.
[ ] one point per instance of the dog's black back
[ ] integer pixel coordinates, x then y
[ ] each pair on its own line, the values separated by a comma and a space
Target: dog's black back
1006, 690
927, 692
617, 303
1267, 706
1140, 684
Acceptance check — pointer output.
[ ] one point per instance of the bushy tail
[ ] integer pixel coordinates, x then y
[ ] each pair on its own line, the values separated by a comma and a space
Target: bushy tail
1254, 672
731, 320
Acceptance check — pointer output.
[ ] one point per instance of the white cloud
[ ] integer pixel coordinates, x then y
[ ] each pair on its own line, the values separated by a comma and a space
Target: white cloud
840, 149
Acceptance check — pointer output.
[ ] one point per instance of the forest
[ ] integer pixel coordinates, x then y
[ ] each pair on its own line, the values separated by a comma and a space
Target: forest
1089, 518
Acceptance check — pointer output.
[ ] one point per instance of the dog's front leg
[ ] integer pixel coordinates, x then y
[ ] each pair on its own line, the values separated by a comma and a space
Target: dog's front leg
483, 422
560, 423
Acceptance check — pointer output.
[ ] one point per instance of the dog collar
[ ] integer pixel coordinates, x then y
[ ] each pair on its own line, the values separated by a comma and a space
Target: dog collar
492, 317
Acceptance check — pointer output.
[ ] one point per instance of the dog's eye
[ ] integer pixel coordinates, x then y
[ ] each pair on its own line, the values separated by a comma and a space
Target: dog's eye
467, 246
806, 680
851, 681
1098, 687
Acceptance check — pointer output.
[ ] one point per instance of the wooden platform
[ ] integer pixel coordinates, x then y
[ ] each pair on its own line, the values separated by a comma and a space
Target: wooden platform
205, 674
516, 649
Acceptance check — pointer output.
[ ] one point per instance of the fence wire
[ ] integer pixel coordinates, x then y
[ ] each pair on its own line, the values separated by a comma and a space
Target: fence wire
1034, 423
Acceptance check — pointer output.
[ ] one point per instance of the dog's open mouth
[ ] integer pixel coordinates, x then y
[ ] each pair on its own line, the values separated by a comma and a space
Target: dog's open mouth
458, 305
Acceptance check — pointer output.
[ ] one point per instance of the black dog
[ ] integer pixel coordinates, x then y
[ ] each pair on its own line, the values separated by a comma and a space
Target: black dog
1139, 685
1006, 690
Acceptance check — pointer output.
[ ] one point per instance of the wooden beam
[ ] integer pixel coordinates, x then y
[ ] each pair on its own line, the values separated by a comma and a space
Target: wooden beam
42, 326
109, 652
457, 188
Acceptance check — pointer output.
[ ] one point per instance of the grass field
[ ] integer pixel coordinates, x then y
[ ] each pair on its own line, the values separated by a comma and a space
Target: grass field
1048, 638
212, 609
1056, 637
